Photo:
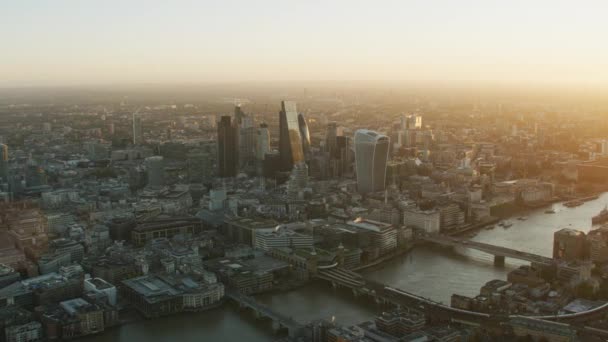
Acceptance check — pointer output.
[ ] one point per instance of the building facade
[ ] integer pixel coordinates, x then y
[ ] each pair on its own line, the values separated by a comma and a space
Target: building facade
371, 156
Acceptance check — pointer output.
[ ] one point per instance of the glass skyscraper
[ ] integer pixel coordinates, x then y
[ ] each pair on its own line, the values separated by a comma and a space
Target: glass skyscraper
371, 155
227, 147
290, 139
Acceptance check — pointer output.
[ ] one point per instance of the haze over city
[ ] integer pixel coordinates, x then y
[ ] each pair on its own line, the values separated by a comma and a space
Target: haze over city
115, 42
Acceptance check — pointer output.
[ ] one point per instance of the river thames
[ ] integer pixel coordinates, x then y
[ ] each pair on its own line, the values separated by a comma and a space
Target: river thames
433, 272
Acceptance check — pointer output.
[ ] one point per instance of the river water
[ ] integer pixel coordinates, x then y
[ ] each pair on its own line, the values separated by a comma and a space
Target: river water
433, 272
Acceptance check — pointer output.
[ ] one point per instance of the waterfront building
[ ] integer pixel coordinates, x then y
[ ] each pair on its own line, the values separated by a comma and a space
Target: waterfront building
167, 294
371, 155
281, 237
569, 245
383, 235
400, 322
598, 244
90, 317
27, 332
227, 147
451, 216
290, 139
427, 220
542, 329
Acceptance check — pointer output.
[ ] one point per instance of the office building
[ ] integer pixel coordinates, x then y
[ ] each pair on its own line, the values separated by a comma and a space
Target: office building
3, 163
569, 245
305, 134
427, 220
371, 155
155, 168
102, 288
199, 166
227, 147
598, 244
281, 237
330, 138
411, 121
451, 216
383, 236
138, 133
27, 332
161, 295
400, 322
290, 139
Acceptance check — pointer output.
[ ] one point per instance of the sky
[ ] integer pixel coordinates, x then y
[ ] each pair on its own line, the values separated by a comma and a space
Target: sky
63, 42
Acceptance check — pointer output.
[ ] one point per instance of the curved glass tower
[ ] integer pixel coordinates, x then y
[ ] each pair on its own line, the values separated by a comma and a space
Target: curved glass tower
305, 134
290, 140
371, 155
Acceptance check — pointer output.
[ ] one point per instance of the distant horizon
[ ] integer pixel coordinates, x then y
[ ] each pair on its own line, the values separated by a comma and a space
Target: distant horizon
63, 42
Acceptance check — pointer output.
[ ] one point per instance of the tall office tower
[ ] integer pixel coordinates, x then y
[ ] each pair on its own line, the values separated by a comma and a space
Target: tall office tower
570, 245
371, 155
3, 163
155, 168
247, 141
305, 134
411, 121
138, 134
262, 147
330, 138
263, 142
199, 166
227, 147
290, 140
239, 114
343, 147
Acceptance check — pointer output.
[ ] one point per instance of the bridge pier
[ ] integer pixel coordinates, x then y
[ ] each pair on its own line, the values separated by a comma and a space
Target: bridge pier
499, 260
276, 326
257, 314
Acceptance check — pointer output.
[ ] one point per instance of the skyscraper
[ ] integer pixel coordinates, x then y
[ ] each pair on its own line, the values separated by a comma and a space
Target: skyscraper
411, 121
263, 142
138, 134
247, 141
330, 138
305, 134
371, 155
227, 147
290, 140
3, 163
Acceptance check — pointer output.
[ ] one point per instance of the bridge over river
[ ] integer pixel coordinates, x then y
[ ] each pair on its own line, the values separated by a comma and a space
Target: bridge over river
383, 293
499, 252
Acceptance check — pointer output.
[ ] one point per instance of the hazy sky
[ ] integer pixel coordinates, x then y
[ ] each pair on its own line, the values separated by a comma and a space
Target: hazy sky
129, 41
